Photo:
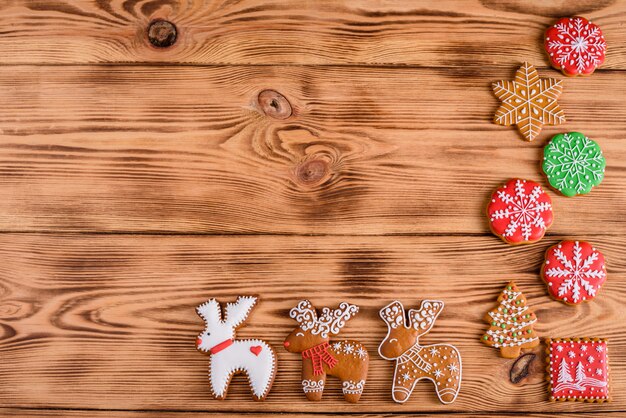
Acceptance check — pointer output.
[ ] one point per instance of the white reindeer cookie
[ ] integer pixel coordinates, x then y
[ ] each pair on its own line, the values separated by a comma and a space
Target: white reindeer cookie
228, 356
439, 363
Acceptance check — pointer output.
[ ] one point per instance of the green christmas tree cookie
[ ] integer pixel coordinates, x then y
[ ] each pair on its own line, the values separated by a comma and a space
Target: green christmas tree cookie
573, 163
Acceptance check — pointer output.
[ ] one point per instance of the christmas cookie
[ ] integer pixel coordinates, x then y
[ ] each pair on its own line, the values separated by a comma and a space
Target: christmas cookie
573, 163
347, 360
578, 369
229, 356
511, 324
575, 46
574, 271
528, 102
439, 363
520, 212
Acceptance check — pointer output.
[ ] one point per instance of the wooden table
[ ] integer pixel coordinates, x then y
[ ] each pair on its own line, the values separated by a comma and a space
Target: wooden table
138, 181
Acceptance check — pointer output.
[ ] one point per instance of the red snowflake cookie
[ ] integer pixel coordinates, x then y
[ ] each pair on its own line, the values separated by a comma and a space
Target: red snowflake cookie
578, 369
574, 271
520, 212
575, 46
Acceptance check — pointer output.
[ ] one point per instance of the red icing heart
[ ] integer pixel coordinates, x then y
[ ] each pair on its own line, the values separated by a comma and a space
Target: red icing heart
256, 349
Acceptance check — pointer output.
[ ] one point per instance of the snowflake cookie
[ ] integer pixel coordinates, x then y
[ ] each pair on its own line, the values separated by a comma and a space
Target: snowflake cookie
578, 369
574, 271
229, 356
520, 212
528, 102
575, 46
573, 163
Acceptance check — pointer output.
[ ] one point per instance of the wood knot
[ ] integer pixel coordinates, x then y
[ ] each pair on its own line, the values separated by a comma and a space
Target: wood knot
274, 104
521, 367
162, 33
312, 172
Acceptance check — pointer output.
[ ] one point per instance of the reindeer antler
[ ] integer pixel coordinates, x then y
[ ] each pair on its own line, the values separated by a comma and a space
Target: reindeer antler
393, 314
304, 314
210, 311
237, 312
423, 319
330, 322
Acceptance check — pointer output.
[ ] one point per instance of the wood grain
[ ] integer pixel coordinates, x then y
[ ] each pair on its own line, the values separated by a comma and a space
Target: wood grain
112, 316
20, 412
367, 151
453, 34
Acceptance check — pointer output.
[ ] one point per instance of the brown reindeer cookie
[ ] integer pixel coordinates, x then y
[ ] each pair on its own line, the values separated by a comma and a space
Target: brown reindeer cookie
439, 363
347, 360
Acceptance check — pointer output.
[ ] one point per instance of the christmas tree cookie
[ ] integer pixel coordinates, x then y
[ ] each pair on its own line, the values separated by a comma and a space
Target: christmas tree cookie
575, 46
578, 369
574, 271
511, 324
520, 212
528, 102
573, 163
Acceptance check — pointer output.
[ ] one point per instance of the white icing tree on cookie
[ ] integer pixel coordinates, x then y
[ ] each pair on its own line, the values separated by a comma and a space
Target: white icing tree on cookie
511, 324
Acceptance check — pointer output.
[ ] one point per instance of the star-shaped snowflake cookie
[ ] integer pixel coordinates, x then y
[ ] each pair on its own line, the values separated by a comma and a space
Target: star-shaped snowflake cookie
528, 102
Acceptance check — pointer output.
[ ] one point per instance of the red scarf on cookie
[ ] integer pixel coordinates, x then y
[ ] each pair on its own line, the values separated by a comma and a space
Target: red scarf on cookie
319, 355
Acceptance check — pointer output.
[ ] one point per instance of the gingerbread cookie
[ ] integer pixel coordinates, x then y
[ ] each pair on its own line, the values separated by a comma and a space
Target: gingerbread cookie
228, 356
575, 46
578, 369
520, 212
347, 360
439, 363
573, 163
528, 102
574, 271
511, 324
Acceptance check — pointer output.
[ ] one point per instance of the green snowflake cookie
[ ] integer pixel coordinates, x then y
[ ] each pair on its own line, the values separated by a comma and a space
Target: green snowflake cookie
573, 163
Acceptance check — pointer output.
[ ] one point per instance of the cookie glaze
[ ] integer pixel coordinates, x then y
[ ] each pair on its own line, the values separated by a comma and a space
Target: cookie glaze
520, 212
574, 271
573, 163
575, 46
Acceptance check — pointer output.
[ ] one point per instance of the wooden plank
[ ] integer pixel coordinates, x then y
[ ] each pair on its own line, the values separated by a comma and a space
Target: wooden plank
367, 151
112, 316
457, 33
17, 412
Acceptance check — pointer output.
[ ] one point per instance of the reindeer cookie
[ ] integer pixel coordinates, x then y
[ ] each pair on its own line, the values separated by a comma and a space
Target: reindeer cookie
228, 356
346, 360
439, 363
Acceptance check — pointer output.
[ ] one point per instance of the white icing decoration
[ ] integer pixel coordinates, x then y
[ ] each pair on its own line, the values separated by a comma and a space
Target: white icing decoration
415, 362
565, 380
577, 43
236, 357
330, 322
523, 211
312, 385
512, 311
353, 388
577, 273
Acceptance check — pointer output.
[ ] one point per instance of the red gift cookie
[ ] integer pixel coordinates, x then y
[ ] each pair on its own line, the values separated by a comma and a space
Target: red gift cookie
578, 369
575, 46
574, 271
520, 212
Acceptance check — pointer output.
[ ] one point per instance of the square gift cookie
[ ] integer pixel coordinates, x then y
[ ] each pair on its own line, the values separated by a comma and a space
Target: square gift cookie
578, 369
